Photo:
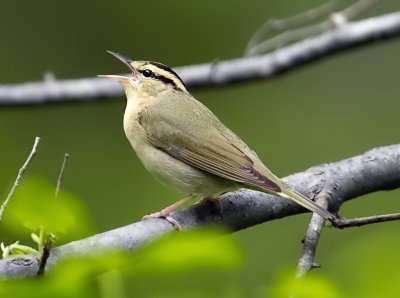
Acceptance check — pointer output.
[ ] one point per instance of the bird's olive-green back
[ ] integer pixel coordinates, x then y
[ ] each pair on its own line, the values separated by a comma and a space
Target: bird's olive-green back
184, 128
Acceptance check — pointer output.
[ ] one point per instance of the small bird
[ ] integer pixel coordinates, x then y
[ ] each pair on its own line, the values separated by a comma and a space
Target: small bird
184, 145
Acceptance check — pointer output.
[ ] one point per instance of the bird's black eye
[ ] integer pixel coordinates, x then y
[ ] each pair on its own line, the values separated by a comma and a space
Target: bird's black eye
147, 73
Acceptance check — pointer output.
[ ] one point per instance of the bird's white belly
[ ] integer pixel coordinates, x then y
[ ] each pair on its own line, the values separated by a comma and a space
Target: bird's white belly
175, 173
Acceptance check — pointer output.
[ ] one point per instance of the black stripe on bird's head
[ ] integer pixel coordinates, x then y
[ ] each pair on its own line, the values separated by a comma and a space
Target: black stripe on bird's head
150, 75
161, 73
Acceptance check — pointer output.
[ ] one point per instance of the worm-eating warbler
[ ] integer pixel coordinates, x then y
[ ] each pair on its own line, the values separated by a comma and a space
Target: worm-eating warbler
183, 144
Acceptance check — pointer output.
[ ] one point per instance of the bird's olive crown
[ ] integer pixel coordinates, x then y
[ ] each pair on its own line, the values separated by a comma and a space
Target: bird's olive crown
161, 73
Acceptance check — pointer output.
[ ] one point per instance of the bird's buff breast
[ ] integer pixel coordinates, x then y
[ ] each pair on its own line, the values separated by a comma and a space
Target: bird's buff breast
171, 171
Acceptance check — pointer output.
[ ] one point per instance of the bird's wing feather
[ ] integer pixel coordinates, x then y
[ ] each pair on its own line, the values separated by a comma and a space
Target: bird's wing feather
198, 140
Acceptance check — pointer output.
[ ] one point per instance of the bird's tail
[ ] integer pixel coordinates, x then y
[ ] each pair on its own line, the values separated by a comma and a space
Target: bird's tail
289, 193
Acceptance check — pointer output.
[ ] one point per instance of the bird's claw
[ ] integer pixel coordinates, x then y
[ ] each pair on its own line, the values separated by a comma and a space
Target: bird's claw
167, 217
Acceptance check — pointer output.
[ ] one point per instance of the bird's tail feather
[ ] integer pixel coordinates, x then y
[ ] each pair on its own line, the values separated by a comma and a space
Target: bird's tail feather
305, 202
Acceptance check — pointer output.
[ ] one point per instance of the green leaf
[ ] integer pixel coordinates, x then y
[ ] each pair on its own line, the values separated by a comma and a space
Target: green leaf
313, 285
183, 251
44, 287
177, 252
15, 249
34, 206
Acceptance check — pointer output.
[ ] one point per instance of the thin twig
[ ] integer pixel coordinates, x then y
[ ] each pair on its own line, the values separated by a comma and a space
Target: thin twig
275, 25
44, 255
342, 17
362, 221
357, 8
19, 176
61, 175
336, 19
306, 262
259, 43
47, 240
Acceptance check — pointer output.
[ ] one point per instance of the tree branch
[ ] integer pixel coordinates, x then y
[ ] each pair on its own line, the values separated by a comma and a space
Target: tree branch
377, 169
61, 175
341, 38
21, 172
362, 221
260, 44
306, 262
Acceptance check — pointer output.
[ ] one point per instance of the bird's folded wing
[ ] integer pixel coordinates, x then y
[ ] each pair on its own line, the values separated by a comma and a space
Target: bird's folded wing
203, 146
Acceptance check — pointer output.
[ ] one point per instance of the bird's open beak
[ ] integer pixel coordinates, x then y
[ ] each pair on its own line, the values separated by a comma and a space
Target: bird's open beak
114, 77
128, 62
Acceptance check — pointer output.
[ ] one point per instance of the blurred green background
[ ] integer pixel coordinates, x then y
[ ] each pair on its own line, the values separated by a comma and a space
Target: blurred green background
323, 112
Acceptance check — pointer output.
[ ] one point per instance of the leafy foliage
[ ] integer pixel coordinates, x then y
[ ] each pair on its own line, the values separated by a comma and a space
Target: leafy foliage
34, 207
180, 252
313, 285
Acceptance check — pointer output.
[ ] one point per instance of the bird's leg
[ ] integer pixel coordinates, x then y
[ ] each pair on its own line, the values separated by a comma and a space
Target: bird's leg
165, 213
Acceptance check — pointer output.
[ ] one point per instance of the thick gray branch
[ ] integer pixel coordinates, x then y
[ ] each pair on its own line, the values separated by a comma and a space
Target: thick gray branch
344, 37
377, 169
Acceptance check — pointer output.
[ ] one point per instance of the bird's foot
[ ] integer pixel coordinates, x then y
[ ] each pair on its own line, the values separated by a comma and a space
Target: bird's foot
166, 216
165, 213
